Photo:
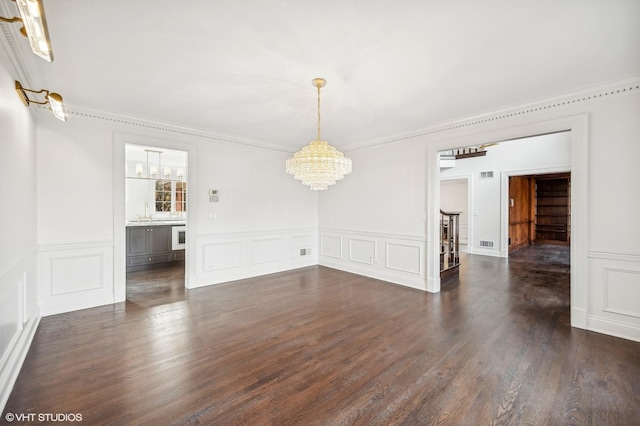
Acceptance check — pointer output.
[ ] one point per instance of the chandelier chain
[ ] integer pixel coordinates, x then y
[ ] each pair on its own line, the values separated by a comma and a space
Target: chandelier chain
318, 112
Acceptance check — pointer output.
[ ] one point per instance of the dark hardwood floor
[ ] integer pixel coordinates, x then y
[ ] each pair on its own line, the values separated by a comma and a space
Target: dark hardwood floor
317, 346
156, 287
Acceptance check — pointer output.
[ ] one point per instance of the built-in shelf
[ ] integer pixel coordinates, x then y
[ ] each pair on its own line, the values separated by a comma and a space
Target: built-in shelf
553, 209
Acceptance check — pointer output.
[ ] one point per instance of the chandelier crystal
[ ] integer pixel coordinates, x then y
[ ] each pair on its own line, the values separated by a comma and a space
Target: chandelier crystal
318, 165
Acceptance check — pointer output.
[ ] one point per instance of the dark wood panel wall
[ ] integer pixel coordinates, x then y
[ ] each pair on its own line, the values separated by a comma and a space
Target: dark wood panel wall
539, 209
521, 211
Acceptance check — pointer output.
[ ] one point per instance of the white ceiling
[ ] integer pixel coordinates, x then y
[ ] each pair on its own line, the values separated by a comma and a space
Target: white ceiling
243, 68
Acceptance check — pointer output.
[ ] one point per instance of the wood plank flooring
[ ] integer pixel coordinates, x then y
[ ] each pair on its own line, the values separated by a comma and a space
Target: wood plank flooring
317, 346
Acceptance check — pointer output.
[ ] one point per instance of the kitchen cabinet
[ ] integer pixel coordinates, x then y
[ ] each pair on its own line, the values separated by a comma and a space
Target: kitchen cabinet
149, 246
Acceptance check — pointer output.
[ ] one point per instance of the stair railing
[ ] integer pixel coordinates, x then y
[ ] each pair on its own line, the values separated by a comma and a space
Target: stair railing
449, 243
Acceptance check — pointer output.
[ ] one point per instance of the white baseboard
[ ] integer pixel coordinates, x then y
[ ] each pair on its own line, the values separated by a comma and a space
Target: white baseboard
76, 304
578, 318
394, 279
613, 328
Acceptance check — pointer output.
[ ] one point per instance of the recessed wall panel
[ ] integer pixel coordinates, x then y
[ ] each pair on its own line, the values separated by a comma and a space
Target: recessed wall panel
76, 273
9, 319
331, 246
268, 250
403, 257
217, 256
622, 292
362, 251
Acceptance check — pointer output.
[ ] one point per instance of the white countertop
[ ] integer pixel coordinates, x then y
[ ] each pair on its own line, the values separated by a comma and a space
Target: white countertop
158, 223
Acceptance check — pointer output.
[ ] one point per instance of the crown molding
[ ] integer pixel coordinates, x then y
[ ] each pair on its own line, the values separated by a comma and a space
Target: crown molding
586, 95
146, 123
17, 48
558, 102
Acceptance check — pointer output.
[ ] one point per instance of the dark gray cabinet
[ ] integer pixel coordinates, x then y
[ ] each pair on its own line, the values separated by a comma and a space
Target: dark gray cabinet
149, 246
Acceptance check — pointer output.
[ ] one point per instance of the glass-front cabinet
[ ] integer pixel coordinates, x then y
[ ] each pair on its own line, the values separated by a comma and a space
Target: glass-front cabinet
170, 196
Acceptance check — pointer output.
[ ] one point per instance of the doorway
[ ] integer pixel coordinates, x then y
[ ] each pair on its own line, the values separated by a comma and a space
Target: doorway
455, 196
156, 193
539, 210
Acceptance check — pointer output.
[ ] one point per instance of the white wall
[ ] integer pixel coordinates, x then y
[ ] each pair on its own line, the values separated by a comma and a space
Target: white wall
18, 301
373, 221
606, 290
539, 154
262, 219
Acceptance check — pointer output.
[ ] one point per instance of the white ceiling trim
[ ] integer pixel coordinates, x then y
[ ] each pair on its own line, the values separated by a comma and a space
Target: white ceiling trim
17, 53
592, 94
166, 127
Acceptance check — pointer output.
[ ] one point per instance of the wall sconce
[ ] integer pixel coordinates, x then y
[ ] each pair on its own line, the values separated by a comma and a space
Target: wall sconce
34, 27
53, 99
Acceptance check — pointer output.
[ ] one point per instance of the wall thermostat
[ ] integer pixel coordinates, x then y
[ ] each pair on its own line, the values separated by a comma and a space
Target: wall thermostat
213, 196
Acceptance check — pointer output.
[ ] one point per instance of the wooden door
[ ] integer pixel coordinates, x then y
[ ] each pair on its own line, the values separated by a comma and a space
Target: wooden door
521, 215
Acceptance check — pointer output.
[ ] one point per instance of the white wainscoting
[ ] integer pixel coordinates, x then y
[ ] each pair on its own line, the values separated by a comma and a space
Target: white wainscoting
233, 256
614, 294
75, 276
464, 233
400, 259
19, 319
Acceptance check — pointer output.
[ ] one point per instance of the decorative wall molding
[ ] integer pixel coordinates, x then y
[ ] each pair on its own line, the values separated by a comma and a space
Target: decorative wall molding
74, 245
232, 256
622, 291
256, 234
75, 275
612, 255
12, 300
11, 264
19, 318
10, 368
614, 294
331, 246
404, 237
144, 123
613, 328
606, 90
19, 51
399, 259
404, 257
362, 250
520, 110
267, 250
218, 256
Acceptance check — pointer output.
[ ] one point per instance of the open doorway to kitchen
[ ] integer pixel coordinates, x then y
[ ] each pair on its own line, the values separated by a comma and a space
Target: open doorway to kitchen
156, 192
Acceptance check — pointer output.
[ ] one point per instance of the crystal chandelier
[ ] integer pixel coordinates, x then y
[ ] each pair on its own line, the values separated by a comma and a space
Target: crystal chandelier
318, 164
